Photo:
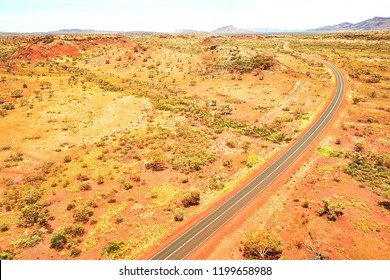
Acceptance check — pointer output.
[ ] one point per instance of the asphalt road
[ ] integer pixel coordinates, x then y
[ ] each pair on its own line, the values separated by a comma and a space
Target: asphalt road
200, 232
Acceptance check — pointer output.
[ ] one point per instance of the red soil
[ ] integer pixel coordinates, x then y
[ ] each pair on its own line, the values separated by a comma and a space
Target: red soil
37, 52
208, 41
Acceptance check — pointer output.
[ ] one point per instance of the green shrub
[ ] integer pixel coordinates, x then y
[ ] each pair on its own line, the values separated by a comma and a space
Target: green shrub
247, 64
31, 197
179, 215
252, 160
227, 162
8, 106
74, 230
35, 214
82, 215
156, 160
3, 112
67, 159
231, 143
359, 147
113, 247
15, 158
216, 183
191, 197
119, 219
93, 221
191, 157
70, 206
27, 240
7, 255
4, 228
82, 177
86, 186
58, 241
75, 252
34, 178
100, 180
385, 204
372, 169
184, 179
331, 209
262, 245
128, 185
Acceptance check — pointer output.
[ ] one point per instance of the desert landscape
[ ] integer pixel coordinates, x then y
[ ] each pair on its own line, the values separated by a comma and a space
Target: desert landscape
110, 145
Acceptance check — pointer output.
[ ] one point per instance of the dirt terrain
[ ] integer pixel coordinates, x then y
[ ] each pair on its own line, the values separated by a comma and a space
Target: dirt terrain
292, 207
110, 144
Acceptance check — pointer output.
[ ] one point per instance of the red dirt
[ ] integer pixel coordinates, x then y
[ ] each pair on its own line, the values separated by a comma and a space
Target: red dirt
37, 52
208, 41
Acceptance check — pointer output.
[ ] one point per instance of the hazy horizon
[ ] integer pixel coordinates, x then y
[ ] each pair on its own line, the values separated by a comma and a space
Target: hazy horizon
172, 15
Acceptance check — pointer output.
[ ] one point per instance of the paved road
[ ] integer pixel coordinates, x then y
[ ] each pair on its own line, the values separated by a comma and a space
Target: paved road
195, 236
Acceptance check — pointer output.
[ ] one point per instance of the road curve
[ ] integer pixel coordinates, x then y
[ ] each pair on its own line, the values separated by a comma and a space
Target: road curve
200, 232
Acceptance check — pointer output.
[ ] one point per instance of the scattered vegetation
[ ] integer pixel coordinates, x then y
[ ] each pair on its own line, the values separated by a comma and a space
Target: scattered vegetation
331, 209
262, 245
196, 117
245, 64
373, 170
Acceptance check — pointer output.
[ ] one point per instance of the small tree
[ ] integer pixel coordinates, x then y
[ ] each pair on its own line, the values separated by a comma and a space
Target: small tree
262, 245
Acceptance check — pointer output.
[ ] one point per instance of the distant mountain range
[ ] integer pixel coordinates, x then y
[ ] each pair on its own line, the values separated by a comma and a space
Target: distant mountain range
186, 31
78, 31
230, 29
91, 31
374, 24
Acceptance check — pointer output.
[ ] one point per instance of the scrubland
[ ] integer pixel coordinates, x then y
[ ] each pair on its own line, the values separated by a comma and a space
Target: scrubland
336, 204
109, 143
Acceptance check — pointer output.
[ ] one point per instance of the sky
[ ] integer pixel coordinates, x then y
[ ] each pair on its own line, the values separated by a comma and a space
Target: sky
173, 15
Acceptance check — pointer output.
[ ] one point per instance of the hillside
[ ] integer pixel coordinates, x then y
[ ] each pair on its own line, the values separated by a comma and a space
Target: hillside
230, 29
374, 24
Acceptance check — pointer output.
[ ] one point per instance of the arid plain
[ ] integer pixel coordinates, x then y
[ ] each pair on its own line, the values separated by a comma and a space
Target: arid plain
109, 144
